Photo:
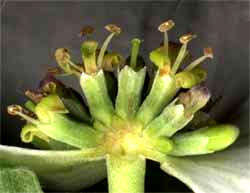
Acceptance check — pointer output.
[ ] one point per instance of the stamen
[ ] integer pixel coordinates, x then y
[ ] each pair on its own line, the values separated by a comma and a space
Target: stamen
184, 40
50, 87
25, 114
86, 30
115, 30
208, 53
134, 52
36, 97
164, 27
64, 60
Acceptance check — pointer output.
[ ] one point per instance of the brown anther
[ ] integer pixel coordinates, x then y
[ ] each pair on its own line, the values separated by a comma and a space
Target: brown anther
86, 30
186, 38
208, 52
166, 26
49, 87
14, 109
62, 54
36, 97
113, 28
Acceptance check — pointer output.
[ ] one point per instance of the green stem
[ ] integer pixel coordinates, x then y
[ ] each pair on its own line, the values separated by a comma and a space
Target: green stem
179, 58
126, 174
166, 41
103, 49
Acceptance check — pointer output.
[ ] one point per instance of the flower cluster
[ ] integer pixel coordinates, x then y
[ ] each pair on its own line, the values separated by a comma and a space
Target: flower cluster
128, 116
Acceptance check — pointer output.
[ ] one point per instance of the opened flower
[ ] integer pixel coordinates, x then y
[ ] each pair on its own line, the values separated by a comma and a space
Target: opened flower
127, 117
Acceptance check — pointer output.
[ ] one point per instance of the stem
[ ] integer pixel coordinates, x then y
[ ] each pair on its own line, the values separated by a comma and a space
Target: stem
74, 66
166, 41
126, 174
179, 58
195, 63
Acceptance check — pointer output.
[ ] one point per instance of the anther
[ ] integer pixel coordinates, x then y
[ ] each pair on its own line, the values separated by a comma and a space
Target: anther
186, 38
113, 28
86, 30
166, 26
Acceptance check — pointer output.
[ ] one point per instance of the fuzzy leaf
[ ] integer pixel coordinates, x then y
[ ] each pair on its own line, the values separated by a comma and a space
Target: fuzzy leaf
18, 180
57, 170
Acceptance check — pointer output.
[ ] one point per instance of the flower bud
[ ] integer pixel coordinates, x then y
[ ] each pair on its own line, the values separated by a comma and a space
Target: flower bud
205, 140
160, 57
188, 79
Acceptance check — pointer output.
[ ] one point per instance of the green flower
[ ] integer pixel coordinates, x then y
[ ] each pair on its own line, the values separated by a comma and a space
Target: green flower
117, 128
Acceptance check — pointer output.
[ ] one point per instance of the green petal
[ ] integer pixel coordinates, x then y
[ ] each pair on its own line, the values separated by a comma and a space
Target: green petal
226, 171
95, 90
162, 91
69, 131
57, 170
130, 84
18, 180
168, 122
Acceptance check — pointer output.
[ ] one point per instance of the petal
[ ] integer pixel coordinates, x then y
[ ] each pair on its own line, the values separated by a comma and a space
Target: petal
57, 170
16, 180
226, 171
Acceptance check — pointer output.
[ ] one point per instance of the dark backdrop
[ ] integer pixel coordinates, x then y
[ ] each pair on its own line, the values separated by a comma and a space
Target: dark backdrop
31, 31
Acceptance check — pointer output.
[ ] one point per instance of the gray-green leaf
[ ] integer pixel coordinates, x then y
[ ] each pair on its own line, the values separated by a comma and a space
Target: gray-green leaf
18, 180
57, 170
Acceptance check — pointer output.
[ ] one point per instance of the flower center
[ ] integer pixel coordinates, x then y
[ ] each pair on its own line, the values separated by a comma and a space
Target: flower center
123, 138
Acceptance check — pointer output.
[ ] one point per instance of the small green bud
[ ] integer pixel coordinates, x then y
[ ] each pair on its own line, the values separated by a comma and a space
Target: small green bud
205, 140
188, 79
51, 103
112, 61
160, 57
